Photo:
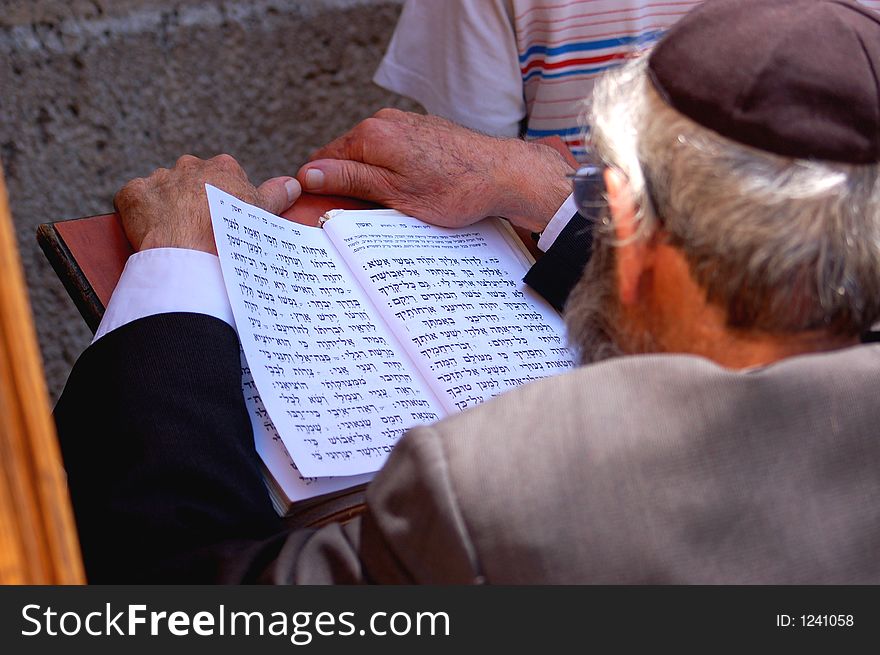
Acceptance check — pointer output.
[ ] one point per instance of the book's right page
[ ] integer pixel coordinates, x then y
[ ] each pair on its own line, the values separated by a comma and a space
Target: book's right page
455, 299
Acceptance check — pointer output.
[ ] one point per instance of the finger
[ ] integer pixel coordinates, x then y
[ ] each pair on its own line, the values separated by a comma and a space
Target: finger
186, 160
347, 146
398, 116
346, 178
372, 141
408, 122
225, 162
277, 194
132, 190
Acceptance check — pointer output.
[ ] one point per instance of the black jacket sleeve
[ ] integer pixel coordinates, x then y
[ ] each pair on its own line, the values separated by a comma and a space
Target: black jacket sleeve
159, 449
556, 273
166, 483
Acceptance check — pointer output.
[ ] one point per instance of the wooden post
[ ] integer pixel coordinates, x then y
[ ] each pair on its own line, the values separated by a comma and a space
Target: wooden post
38, 541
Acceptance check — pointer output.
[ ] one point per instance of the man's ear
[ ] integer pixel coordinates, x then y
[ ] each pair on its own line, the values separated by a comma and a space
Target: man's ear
633, 254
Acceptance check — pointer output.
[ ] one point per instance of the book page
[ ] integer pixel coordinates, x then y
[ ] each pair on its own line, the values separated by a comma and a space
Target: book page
277, 460
456, 298
328, 371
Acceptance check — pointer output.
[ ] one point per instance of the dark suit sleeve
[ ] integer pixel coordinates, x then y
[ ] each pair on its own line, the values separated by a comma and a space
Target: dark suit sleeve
555, 274
166, 484
158, 446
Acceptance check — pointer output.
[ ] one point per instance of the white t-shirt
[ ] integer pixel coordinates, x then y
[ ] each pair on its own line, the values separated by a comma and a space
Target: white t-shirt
489, 64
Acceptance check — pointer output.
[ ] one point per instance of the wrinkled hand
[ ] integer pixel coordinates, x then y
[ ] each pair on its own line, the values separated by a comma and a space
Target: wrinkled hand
169, 209
440, 172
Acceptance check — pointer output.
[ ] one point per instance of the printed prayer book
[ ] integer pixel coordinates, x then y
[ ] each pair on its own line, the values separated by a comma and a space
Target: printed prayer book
377, 322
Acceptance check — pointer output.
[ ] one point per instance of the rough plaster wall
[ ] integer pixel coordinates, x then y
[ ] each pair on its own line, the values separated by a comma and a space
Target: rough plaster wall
95, 92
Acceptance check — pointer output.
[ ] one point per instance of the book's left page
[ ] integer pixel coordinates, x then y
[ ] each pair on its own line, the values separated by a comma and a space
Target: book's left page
286, 476
328, 372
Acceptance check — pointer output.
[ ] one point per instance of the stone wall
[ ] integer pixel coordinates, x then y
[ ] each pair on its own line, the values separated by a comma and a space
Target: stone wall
95, 92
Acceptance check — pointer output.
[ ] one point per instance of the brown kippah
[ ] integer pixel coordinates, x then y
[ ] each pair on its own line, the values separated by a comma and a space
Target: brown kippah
798, 78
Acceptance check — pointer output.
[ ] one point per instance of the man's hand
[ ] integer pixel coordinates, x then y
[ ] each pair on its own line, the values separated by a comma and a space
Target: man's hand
169, 209
440, 172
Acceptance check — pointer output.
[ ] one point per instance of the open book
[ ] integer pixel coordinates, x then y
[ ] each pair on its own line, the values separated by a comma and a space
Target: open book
353, 333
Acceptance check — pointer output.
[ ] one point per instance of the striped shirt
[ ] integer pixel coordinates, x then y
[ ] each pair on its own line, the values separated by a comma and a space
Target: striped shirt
563, 46
493, 64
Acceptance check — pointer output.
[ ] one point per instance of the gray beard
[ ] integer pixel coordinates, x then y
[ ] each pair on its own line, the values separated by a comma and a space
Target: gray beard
593, 318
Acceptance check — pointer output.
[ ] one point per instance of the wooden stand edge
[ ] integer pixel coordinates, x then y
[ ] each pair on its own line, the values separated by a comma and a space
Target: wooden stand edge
71, 275
38, 539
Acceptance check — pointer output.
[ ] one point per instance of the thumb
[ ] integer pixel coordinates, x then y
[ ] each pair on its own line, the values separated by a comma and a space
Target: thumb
344, 178
277, 194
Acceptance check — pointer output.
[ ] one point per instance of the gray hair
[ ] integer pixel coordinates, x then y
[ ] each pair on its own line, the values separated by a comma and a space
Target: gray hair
783, 245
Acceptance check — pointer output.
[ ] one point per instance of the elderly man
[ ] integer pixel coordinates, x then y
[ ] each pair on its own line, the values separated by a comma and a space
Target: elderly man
729, 432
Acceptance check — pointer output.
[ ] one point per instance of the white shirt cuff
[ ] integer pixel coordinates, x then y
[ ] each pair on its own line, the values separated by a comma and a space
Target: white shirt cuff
560, 219
163, 280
